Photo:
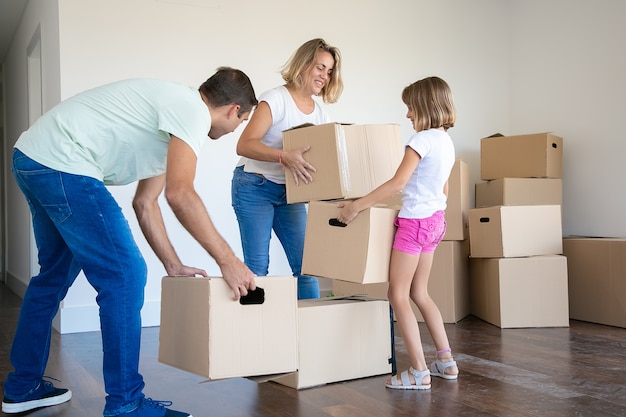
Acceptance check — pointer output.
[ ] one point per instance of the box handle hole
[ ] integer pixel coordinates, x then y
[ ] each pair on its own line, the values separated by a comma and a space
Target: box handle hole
336, 223
253, 297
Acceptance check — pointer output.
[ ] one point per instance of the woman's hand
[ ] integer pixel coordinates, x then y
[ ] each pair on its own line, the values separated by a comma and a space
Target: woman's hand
299, 167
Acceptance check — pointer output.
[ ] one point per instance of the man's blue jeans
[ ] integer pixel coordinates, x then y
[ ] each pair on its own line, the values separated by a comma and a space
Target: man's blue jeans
78, 225
260, 206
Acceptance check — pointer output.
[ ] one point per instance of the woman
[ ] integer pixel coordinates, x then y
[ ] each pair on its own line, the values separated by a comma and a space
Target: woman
258, 186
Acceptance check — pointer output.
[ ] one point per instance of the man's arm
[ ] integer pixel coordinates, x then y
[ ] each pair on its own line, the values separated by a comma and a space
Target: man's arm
146, 206
192, 214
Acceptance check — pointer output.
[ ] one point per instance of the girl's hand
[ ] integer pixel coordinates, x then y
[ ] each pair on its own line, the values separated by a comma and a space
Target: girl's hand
348, 212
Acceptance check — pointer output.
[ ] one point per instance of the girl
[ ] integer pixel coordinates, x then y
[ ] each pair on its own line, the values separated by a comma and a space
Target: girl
422, 177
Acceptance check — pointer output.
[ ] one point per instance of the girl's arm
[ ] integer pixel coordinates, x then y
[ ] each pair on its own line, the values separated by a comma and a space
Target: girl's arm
350, 209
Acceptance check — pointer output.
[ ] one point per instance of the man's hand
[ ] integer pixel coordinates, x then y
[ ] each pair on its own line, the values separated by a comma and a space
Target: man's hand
238, 277
185, 271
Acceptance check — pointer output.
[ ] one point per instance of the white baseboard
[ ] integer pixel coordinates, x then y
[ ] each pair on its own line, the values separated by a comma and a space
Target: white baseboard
78, 319
87, 318
16, 285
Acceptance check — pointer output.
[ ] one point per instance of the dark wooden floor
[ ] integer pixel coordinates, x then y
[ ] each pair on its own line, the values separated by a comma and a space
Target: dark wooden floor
575, 371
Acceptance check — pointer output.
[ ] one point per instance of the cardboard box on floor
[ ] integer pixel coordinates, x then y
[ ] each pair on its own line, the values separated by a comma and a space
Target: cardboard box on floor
205, 332
358, 252
340, 339
597, 279
519, 192
351, 160
448, 285
520, 292
514, 231
458, 202
537, 155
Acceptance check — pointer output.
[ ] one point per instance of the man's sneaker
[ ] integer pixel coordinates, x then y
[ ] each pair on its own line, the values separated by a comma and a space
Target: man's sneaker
151, 408
44, 395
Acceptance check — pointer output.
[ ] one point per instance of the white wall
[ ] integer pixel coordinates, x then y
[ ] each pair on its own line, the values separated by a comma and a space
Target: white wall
500, 58
567, 76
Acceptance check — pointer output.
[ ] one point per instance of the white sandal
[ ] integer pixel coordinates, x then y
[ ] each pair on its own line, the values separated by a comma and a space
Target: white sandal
404, 382
438, 368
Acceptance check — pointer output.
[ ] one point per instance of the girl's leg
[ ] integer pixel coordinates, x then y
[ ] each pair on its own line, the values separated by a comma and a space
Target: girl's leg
403, 271
430, 311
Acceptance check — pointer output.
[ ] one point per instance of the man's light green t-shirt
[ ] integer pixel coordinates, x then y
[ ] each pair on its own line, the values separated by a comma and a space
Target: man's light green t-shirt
118, 133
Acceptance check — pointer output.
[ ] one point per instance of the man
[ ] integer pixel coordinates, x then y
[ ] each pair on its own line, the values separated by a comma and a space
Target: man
141, 130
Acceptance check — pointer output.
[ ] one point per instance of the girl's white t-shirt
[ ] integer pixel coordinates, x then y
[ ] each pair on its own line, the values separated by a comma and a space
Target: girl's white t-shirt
423, 194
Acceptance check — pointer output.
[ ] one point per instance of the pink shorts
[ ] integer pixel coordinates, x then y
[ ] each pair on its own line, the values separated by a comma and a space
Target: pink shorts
419, 235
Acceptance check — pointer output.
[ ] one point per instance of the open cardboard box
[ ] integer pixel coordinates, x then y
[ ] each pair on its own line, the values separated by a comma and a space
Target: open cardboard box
358, 252
350, 160
340, 339
205, 332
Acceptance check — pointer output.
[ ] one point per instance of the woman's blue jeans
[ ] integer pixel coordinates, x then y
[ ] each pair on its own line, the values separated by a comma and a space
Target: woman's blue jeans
78, 225
261, 206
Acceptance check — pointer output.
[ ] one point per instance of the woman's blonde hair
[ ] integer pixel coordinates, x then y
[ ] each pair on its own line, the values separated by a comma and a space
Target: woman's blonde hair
302, 60
431, 102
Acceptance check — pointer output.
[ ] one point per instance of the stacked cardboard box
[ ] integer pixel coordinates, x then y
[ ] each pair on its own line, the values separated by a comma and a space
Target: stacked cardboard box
518, 275
458, 203
597, 279
351, 160
340, 339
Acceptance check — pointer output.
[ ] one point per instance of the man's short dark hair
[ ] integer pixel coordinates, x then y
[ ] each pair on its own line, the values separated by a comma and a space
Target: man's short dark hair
230, 86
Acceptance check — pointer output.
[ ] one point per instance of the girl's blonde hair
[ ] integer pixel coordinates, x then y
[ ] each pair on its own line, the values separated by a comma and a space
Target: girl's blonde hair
431, 102
302, 60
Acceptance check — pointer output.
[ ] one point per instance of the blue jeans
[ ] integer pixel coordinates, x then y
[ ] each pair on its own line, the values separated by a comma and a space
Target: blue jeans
78, 225
260, 206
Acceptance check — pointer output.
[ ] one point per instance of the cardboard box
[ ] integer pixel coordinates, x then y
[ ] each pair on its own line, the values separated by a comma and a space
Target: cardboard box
520, 292
351, 160
358, 252
537, 155
458, 202
515, 231
341, 339
448, 285
597, 279
205, 332
519, 192
346, 288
